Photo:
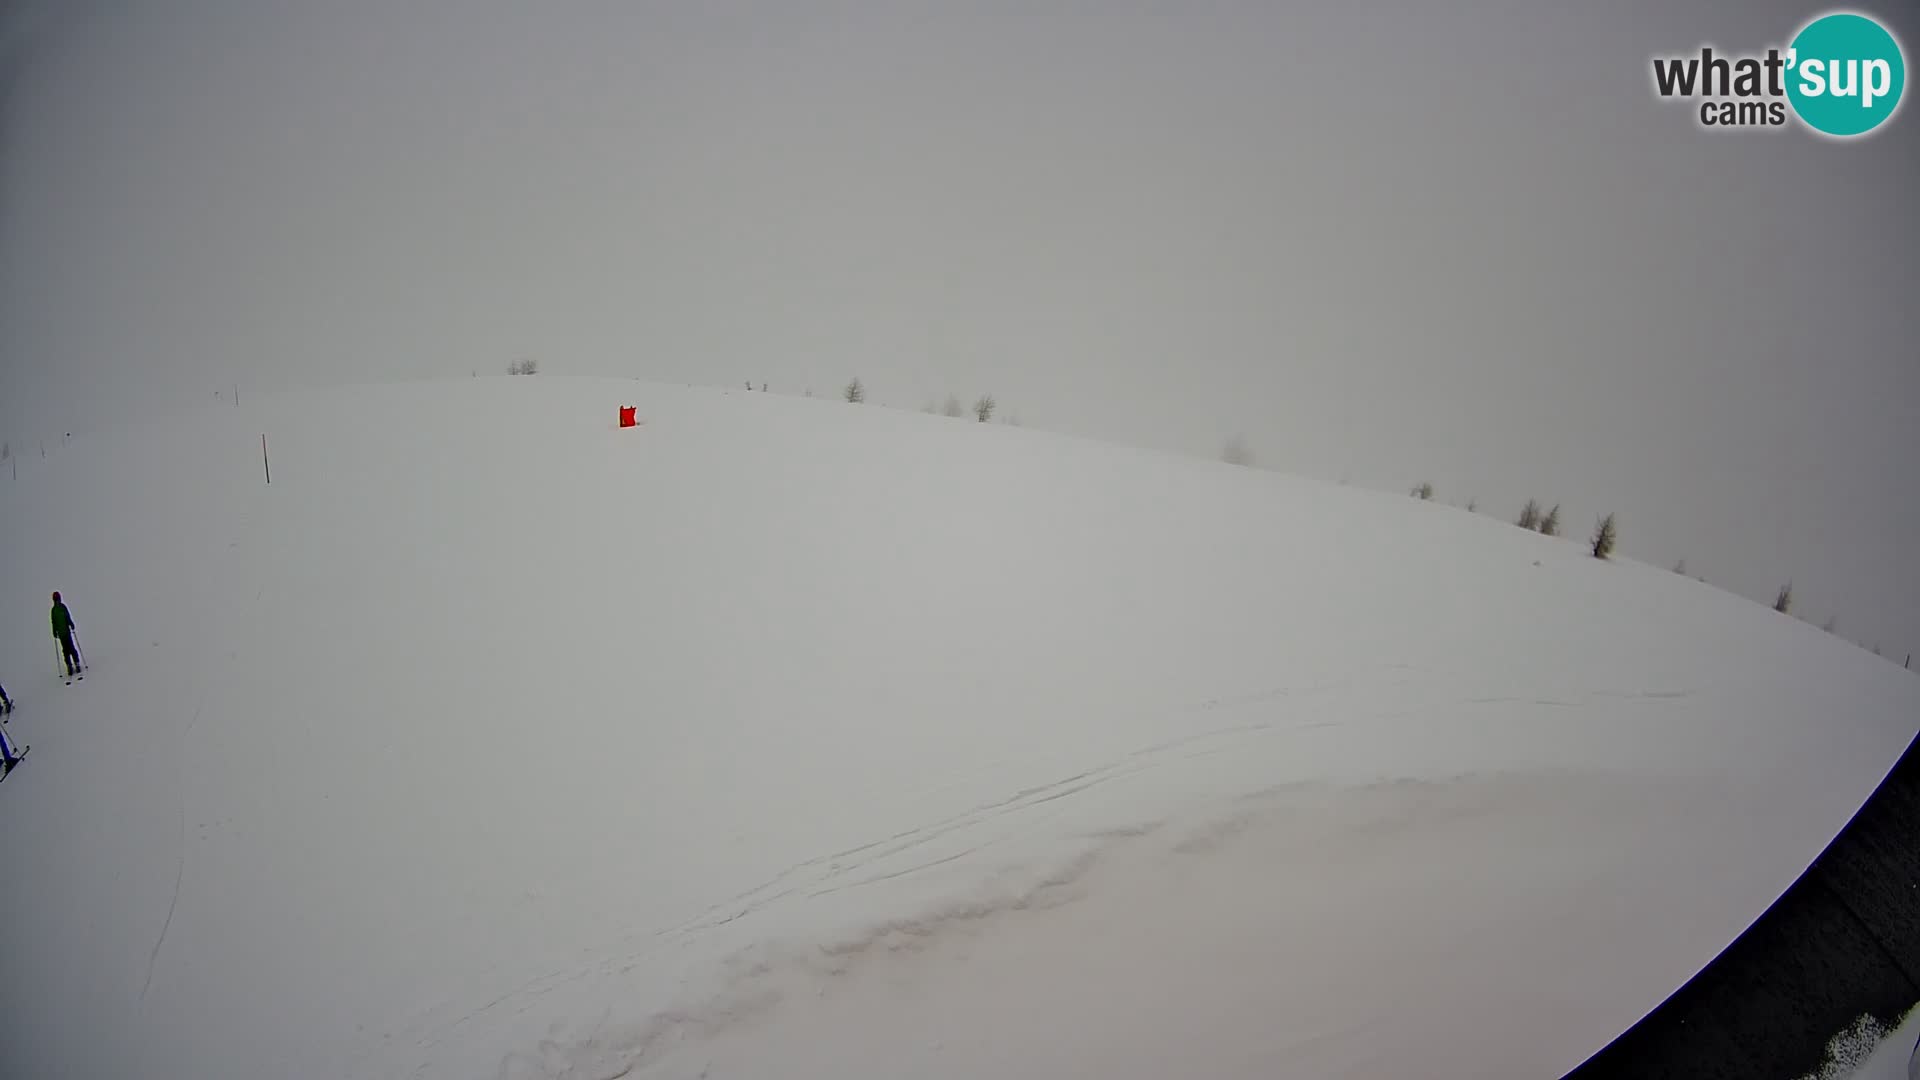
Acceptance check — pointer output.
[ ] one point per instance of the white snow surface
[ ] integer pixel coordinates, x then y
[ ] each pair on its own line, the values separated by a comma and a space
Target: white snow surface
788, 738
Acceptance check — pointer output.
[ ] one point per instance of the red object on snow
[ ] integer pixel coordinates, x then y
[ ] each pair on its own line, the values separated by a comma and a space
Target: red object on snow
626, 415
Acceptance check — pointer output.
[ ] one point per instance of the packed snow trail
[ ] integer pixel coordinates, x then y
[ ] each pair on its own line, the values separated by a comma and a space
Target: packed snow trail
774, 730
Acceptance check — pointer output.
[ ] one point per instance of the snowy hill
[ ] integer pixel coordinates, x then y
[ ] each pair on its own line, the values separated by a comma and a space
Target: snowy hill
782, 738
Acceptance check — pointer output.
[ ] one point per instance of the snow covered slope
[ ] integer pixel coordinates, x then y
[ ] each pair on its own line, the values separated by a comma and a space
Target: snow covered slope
782, 737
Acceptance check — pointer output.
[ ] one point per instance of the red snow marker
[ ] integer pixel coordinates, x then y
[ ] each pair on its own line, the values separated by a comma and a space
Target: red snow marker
626, 415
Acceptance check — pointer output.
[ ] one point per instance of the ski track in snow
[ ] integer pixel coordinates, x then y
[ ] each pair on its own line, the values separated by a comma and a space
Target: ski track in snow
181, 745
829, 873
754, 981
837, 866
822, 869
179, 875
745, 997
823, 874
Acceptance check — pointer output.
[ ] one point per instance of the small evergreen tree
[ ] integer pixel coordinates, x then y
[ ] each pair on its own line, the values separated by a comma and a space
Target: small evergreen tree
1529, 515
1473, 505
855, 393
1422, 490
1550, 525
1680, 568
1604, 536
953, 406
1236, 452
984, 407
1784, 601
1831, 622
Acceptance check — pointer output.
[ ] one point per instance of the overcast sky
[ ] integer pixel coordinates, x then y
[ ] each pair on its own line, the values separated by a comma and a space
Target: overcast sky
1387, 242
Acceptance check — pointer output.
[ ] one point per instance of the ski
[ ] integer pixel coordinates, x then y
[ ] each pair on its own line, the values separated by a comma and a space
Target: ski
17, 758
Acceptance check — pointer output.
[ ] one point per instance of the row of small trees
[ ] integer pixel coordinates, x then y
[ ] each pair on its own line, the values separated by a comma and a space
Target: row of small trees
1782, 600
1547, 523
1606, 533
983, 407
1783, 603
855, 392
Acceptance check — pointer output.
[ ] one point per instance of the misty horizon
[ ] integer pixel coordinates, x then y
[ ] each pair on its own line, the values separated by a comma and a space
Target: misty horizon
1380, 245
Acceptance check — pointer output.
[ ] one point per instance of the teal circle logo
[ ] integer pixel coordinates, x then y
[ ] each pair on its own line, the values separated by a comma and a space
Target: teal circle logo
1845, 74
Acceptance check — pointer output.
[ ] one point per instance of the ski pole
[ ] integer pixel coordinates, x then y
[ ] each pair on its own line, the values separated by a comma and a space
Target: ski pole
77, 650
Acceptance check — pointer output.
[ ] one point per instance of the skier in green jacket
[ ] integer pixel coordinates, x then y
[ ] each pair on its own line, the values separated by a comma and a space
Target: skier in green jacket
63, 633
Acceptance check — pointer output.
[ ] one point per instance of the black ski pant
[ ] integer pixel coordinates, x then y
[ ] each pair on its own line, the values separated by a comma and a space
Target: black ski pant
72, 654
